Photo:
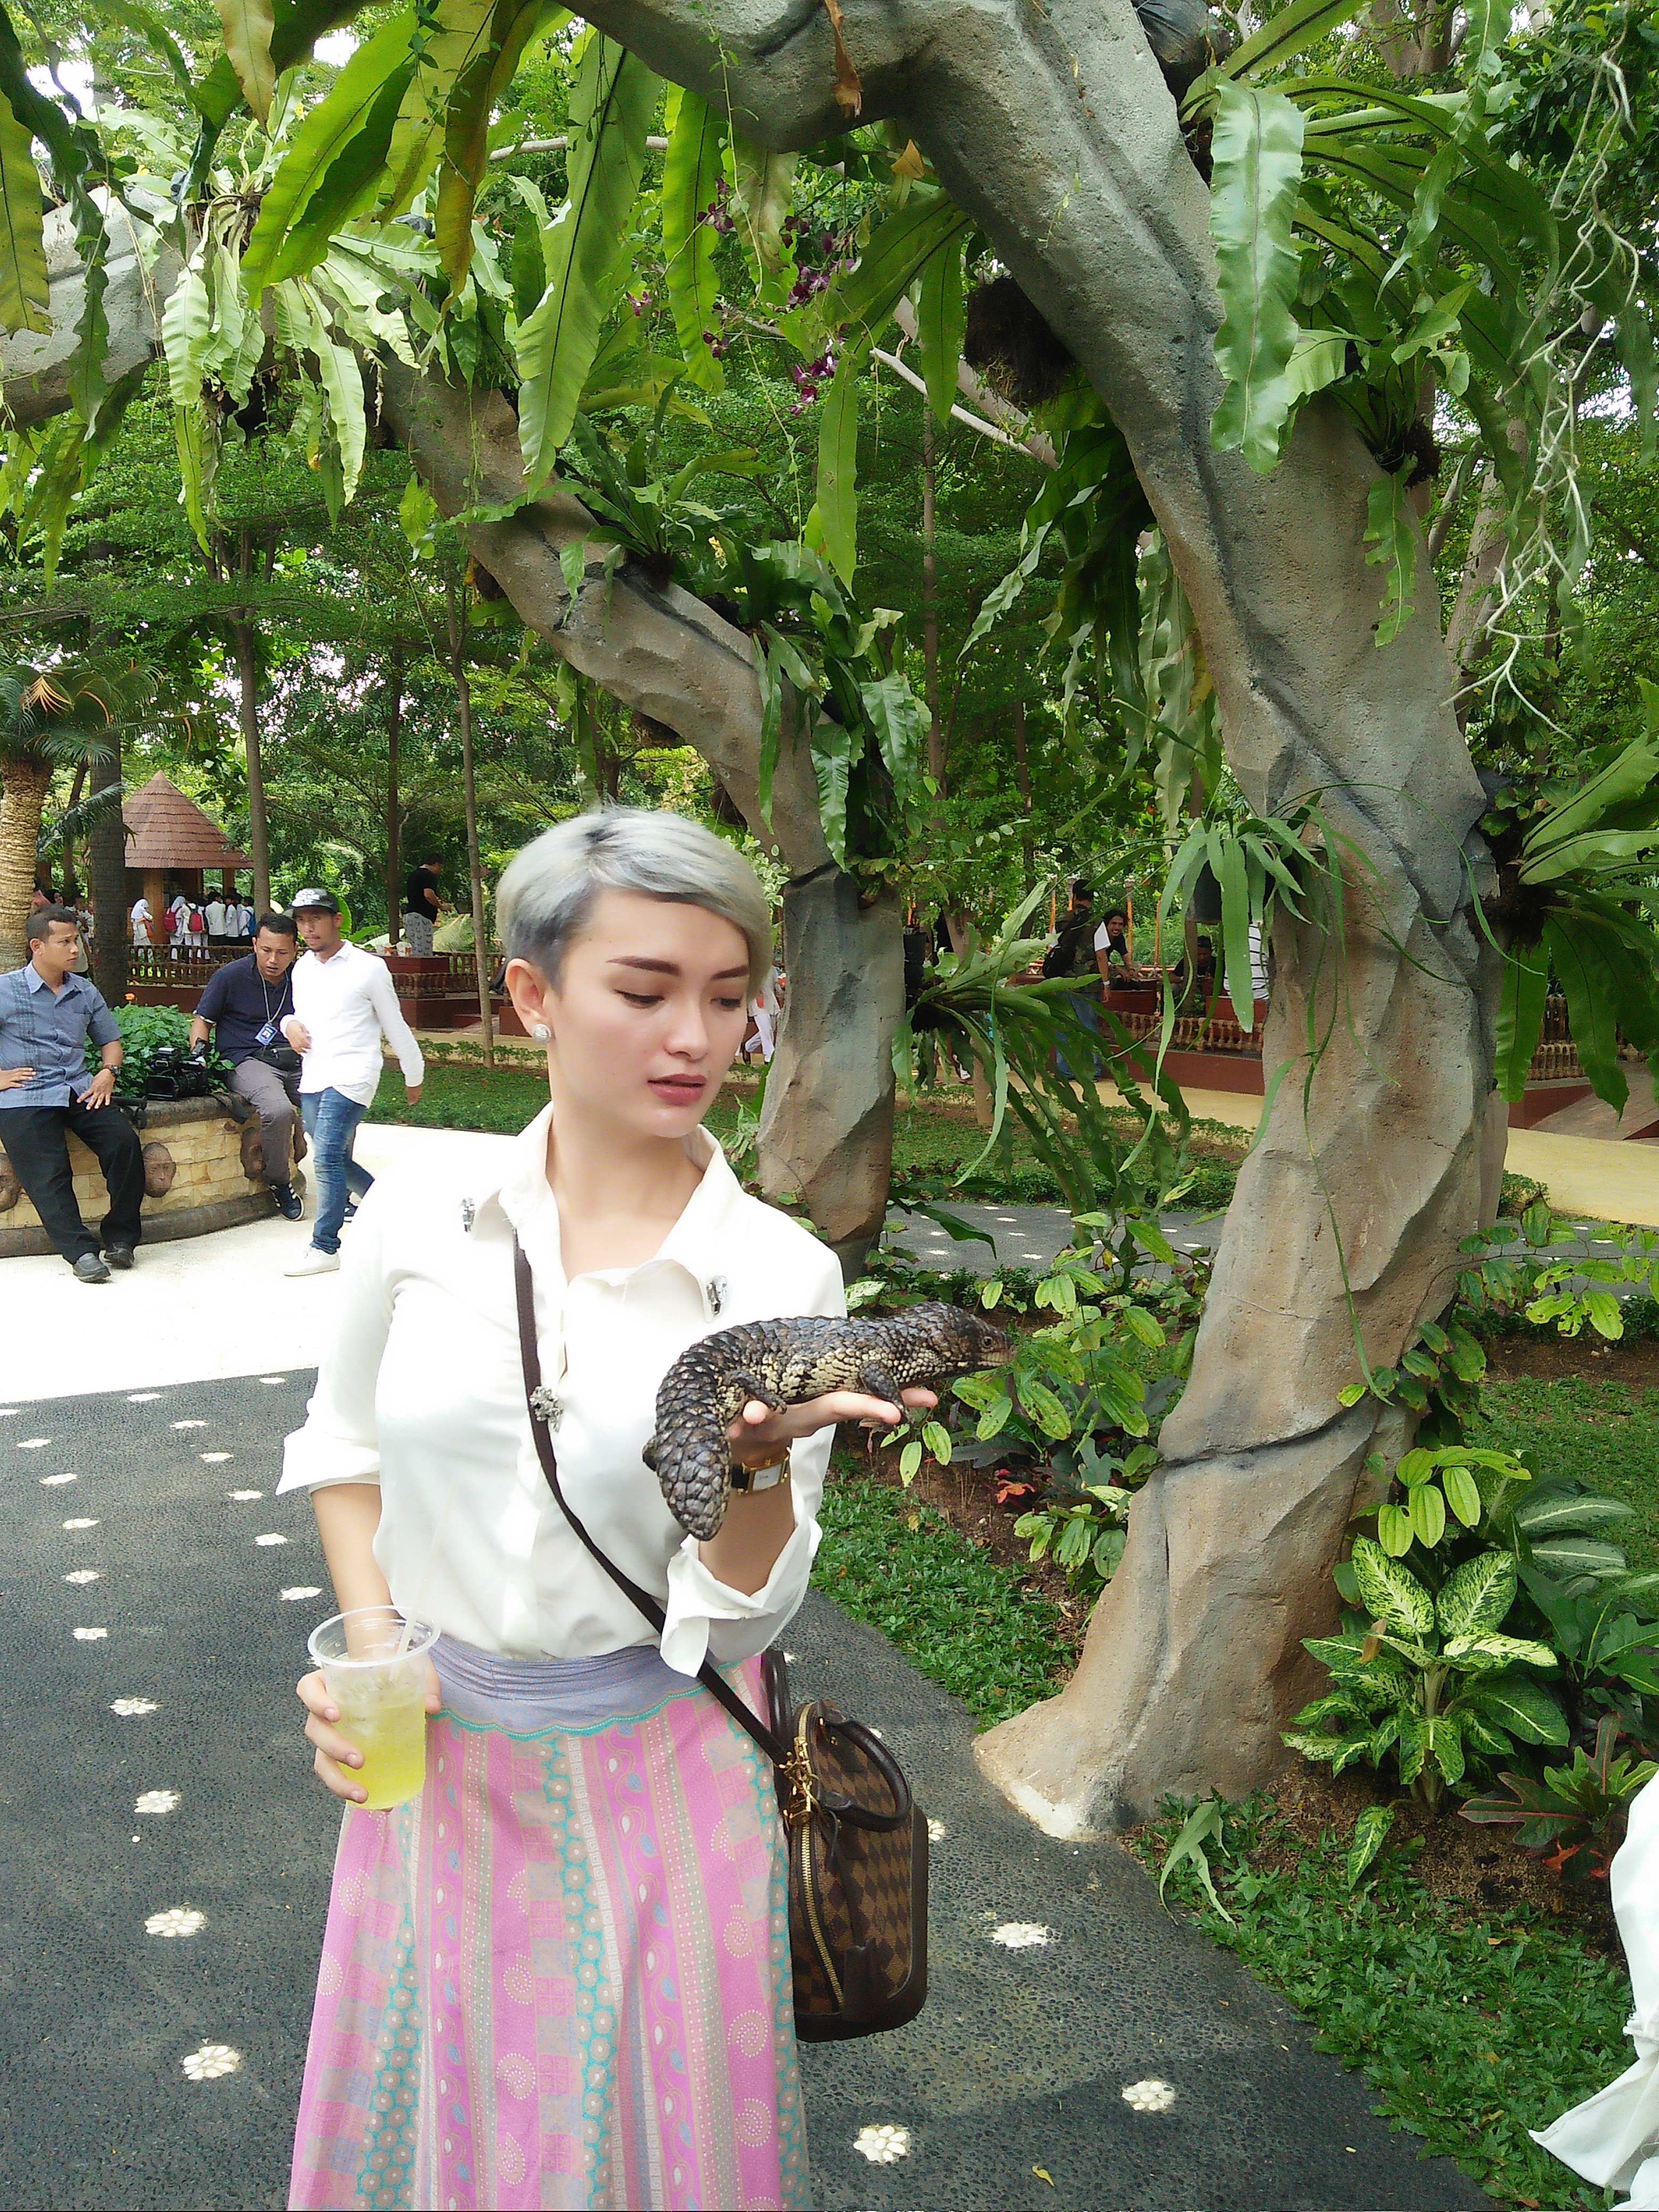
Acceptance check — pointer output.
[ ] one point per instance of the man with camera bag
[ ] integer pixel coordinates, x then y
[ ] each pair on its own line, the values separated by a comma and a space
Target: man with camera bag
246, 1002
47, 1014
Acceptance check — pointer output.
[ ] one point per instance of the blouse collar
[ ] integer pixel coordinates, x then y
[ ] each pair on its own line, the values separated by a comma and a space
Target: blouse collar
698, 1241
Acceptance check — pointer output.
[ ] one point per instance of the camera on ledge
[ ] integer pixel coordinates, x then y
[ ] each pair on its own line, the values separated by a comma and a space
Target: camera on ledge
176, 1074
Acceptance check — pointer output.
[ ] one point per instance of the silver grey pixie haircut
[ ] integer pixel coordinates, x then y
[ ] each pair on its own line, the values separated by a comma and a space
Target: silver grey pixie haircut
548, 890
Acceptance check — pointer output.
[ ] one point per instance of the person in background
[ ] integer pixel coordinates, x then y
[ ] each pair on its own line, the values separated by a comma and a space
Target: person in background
343, 1003
245, 1004
179, 919
47, 1014
140, 918
246, 923
421, 907
218, 912
1112, 949
1071, 952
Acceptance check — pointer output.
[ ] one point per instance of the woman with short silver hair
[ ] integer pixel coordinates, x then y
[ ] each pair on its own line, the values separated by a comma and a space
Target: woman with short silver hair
561, 1975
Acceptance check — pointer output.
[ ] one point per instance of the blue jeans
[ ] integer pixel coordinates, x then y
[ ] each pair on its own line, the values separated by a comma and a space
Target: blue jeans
332, 1122
1087, 1010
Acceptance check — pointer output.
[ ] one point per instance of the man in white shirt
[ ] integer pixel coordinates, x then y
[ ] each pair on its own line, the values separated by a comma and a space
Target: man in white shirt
218, 918
343, 1002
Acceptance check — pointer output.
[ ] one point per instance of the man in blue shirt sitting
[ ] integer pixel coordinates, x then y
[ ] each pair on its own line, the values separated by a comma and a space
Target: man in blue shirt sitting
47, 1014
245, 1004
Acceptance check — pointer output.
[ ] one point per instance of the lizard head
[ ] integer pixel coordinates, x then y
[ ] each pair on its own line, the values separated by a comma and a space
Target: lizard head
965, 1341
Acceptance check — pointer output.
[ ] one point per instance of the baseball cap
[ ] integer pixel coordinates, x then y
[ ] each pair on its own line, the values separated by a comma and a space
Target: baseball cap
324, 900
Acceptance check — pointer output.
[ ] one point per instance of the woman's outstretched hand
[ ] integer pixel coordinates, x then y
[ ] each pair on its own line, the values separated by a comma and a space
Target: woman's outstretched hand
759, 1435
337, 1757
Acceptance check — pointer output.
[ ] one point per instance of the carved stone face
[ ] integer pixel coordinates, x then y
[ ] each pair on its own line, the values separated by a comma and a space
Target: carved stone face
10, 1189
253, 1151
159, 1170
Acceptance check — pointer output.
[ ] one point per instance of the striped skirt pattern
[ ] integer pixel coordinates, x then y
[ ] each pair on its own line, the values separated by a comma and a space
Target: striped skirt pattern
561, 1977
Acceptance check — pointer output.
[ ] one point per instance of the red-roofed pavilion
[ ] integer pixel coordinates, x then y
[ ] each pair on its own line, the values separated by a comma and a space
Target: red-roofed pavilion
171, 841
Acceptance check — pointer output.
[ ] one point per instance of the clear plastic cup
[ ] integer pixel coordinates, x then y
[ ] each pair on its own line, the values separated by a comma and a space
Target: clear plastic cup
374, 1664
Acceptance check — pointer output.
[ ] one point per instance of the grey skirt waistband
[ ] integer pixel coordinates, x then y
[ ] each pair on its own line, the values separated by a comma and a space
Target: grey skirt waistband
529, 1696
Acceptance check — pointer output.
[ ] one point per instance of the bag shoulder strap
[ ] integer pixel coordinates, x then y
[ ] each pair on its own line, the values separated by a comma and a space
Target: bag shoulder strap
531, 1361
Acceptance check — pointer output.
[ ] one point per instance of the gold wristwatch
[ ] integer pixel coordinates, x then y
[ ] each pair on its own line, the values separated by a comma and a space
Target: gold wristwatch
751, 1479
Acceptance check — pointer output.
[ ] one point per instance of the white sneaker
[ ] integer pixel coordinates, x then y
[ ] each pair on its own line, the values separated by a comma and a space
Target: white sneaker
311, 1261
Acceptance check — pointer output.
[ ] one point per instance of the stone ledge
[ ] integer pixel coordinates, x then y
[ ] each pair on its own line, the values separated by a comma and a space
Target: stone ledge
160, 1227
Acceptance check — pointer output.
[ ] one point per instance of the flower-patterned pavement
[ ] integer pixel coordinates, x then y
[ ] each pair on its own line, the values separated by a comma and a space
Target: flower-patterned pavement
170, 1855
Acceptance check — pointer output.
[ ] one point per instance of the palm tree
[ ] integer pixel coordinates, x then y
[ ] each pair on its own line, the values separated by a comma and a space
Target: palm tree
50, 717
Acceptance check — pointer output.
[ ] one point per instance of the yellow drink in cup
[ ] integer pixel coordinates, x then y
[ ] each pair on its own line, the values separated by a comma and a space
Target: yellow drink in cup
374, 1664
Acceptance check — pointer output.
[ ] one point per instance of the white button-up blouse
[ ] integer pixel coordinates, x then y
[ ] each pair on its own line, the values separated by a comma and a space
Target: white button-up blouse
421, 1392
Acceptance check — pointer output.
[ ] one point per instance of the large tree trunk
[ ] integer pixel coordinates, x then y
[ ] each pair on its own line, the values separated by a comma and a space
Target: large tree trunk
1054, 129
24, 783
245, 637
107, 871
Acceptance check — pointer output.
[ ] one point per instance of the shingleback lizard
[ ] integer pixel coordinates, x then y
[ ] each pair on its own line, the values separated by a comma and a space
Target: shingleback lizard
783, 1362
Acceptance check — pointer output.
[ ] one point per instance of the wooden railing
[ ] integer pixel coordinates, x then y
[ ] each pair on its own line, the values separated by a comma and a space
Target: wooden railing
176, 968
1556, 1060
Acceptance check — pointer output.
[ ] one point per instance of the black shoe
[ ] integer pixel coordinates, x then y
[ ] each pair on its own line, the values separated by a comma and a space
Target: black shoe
350, 1214
89, 1268
119, 1256
289, 1204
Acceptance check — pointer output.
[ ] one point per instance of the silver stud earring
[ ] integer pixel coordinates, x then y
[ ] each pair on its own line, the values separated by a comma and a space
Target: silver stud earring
540, 1033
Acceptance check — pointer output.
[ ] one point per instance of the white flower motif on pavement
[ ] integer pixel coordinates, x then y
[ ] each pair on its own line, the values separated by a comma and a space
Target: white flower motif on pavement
244, 1497
1149, 2096
189, 1424
301, 1589
177, 1920
128, 1706
270, 1536
142, 1397
937, 1832
214, 1458
83, 1575
32, 1443
10, 1413
273, 1378
90, 1635
157, 1800
883, 2144
80, 1524
54, 1481
209, 2060
1022, 1935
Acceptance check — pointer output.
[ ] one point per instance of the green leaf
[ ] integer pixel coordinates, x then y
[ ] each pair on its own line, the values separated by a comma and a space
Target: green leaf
1391, 535
762, 185
1500, 1650
478, 84
1044, 1408
1394, 1530
910, 1460
1520, 1019
1521, 1706
1414, 1468
1370, 1833
1255, 182
1476, 1595
900, 722
1287, 32
1550, 1511
937, 1438
1202, 1825
941, 317
838, 461
832, 763
25, 296
248, 24
899, 249
1391, 1593
1427, 1509
332, 170
1462, 1494
584, 250
691, 173
1577, 1555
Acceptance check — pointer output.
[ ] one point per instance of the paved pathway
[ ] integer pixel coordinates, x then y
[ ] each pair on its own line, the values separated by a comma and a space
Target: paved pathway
1057, 1980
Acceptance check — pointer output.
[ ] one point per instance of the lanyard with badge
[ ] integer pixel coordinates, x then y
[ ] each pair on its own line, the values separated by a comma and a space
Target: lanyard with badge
269, 1034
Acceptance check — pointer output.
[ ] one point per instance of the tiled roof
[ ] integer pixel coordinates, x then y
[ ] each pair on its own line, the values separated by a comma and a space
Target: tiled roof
165, 829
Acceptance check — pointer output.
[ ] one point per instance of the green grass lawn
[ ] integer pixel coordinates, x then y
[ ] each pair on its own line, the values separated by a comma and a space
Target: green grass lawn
1587, 1430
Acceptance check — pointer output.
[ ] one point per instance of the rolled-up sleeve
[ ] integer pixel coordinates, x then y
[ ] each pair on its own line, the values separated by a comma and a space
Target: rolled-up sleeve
708, 1617
339, 1442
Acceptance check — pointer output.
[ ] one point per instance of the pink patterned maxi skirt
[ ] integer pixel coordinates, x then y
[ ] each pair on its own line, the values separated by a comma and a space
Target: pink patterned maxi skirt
560, 1977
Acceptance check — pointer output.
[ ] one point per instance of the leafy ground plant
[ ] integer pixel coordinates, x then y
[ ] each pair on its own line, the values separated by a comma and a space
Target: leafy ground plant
1433, 1681
1575, 1813
1473, 2027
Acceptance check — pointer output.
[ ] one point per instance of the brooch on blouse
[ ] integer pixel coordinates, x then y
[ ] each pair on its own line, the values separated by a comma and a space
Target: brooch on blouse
545, 1407
469, 1215
715, 1289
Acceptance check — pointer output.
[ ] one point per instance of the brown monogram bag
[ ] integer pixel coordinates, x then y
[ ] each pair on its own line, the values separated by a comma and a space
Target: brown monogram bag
857, 1841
